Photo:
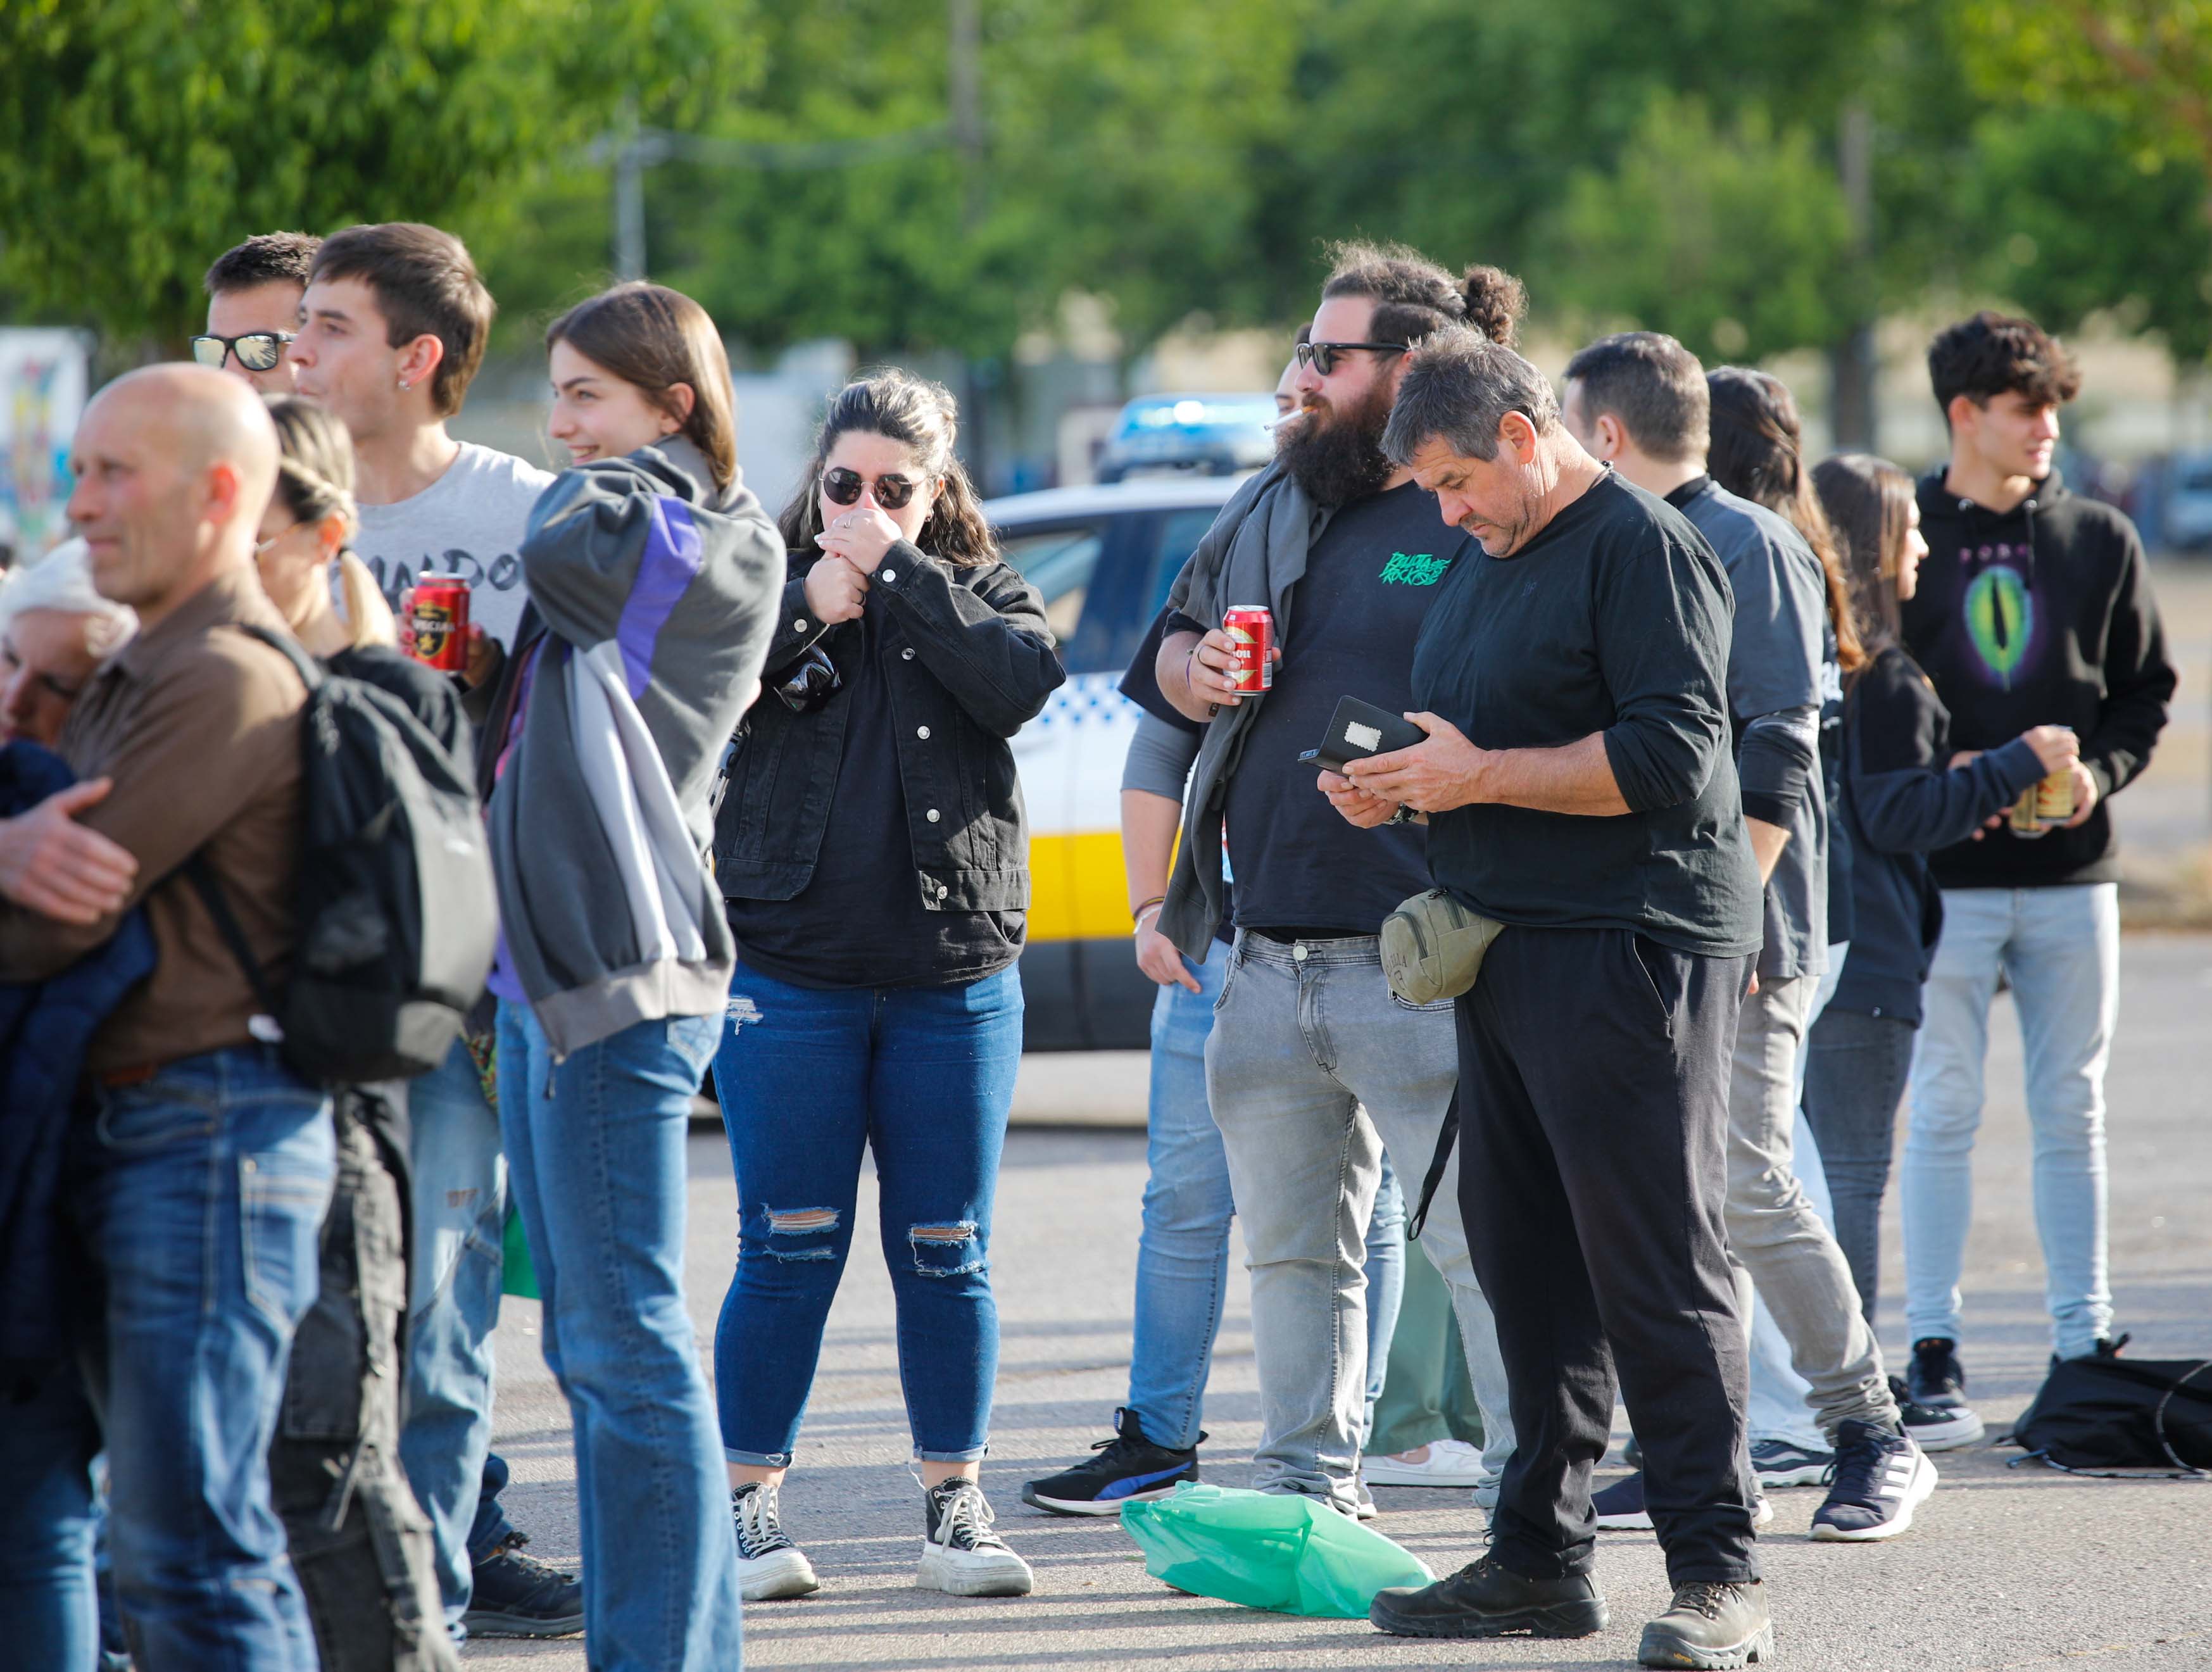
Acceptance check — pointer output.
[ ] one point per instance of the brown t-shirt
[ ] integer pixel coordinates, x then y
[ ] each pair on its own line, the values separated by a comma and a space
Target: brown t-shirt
199, 724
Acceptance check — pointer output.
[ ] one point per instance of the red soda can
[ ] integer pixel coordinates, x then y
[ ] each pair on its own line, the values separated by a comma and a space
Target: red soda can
1253, 629
440, 616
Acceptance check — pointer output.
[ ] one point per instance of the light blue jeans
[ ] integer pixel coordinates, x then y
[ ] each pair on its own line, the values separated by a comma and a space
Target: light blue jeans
1313, 1069
2060, 948
597, 1143
1183, 1254
460, 1204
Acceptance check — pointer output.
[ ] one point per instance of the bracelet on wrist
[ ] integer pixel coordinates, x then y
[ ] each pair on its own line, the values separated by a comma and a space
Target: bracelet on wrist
1152, 905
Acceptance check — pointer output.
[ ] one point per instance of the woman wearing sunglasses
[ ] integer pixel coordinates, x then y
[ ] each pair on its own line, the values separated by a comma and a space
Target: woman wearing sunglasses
873, 851
655, 573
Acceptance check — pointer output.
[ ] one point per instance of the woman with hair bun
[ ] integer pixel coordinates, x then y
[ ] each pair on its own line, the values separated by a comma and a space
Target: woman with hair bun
874, 855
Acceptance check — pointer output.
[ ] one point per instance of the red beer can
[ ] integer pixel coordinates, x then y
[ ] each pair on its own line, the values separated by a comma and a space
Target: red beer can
440, 617
1254, 631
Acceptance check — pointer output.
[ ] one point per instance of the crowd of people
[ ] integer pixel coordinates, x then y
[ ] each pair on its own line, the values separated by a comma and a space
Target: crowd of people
1759, 775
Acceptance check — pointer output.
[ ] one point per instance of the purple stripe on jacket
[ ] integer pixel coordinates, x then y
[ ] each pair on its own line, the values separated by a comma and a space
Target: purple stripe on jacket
672, 560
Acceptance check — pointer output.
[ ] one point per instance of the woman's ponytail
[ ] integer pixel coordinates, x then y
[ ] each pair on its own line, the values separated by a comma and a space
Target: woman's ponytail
368, 618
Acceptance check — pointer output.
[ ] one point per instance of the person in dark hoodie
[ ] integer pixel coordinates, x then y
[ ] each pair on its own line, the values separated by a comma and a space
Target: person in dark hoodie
1902, 798
655, 573
2034, 608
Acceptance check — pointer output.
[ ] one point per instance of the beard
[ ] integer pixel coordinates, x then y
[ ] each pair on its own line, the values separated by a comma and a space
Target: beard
1336, 453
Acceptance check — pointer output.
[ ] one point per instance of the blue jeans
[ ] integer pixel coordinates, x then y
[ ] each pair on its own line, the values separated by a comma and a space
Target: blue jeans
1182, 1255
595, 1142
48, 1438
199, 1194
2060, 948
923, 1077
459, 1208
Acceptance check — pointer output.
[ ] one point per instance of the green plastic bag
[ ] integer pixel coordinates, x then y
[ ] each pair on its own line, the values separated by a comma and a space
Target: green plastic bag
518, 1275
1264, 1550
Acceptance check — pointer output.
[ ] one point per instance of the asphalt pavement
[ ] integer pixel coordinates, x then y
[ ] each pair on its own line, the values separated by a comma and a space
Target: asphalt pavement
2005, 1567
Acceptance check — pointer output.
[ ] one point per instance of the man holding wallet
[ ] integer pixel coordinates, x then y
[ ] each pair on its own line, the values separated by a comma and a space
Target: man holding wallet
1577, 780
1313, 1069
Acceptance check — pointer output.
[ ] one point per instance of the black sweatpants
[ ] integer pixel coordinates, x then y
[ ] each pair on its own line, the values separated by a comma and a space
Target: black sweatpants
1593, 1072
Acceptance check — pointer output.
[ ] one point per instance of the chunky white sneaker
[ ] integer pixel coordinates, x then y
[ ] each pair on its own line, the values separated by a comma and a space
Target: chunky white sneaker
962, 1556
769, 1565
1881, 1478
1441, 1464
1935, 1427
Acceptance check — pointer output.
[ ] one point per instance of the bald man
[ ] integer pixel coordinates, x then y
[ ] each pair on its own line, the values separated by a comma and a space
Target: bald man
201, 1165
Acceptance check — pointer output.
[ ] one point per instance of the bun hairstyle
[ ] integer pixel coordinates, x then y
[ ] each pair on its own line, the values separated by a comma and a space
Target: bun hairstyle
1868, 501
314, 478
922, 418
1413, 297
1758, 453
655, 338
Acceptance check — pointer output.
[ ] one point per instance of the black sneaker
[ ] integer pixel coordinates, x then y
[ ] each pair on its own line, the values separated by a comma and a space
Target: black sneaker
2106, 1348
1619, 1507
1485, 1600
962, 1556
1785, 1463
1128, 1469
512, 1595
1710, 1626
1933, 1430
769, 1565
1934, 1376
1881, 1478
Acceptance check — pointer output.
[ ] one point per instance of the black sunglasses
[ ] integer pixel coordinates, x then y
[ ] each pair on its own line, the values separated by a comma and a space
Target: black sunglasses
257, 350
1321, 357
844, 487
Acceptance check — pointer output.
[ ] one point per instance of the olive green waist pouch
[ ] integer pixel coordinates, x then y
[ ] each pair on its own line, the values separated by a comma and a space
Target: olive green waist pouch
1433, 947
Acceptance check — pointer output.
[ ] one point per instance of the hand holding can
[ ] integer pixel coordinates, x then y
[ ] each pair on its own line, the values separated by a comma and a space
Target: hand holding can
438, 616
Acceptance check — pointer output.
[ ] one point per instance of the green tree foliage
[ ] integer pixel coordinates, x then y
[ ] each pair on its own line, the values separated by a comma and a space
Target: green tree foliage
147, 136
1735, 241
2147, 62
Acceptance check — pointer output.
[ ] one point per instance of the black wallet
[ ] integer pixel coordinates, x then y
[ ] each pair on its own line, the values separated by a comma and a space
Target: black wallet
1359, 728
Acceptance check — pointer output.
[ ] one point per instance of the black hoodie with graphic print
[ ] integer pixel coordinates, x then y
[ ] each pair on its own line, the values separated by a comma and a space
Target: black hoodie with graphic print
2040, 616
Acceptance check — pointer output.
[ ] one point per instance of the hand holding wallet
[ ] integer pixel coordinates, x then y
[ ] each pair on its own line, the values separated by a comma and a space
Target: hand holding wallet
1358, 729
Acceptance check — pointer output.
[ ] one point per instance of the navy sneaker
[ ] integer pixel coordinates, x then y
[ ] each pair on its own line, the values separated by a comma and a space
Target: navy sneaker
1933, 1430
1128, 1469
1621, 1507
1935, 1377
1783, 1463
1881, 1478
512, 1595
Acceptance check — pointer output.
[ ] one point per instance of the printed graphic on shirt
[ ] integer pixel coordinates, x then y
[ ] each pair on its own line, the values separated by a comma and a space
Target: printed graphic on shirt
2000, 610
501, 574
1415, 569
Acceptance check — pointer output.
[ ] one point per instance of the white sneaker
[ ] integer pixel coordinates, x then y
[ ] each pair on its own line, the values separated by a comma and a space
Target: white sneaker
962, 1556
769, 1565
1448, 1463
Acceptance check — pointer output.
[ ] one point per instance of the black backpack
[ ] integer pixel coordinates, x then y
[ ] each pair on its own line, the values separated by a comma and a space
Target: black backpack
398, 917
2096, 1415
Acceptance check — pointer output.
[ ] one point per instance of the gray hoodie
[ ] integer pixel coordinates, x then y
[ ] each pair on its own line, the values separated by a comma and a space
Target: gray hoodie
659, 594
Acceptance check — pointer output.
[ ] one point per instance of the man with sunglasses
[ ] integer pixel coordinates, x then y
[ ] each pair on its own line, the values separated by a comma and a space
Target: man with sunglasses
253, 302
1313, 1071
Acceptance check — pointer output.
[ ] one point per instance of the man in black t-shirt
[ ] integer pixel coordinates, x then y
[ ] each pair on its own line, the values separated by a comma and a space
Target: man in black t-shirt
1313, 1070
1572, 680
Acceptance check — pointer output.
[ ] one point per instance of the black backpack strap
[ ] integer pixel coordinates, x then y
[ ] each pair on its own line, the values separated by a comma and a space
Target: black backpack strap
210, 889
1448, 1135
310, 671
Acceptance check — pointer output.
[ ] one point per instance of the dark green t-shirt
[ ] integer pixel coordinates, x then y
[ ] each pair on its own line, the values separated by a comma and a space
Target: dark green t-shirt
1615, 619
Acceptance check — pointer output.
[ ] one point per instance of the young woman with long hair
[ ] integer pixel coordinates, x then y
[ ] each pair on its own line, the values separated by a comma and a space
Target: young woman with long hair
874, 853
1904, 795
653, 574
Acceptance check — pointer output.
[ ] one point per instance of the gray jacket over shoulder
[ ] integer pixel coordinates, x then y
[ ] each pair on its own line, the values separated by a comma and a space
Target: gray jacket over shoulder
1255, 553
658, 592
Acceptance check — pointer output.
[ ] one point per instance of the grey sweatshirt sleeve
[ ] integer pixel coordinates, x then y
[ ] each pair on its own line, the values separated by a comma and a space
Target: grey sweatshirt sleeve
1160, 758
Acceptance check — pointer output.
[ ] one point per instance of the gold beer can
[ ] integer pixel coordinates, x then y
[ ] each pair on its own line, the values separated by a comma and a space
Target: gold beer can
2054, 799
2025, 824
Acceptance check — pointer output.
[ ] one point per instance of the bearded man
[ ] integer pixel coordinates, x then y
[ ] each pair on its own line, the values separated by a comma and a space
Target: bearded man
1313, 1070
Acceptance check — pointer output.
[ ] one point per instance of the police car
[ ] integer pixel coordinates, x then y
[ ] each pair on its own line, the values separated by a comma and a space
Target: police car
1103, 557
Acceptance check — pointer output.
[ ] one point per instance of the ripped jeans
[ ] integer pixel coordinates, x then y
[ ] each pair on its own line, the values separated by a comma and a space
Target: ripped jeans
809, 1079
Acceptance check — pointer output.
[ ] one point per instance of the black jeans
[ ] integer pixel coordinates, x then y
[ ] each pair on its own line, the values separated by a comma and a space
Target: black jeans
359, 1542
1593, 1072
1856, 1068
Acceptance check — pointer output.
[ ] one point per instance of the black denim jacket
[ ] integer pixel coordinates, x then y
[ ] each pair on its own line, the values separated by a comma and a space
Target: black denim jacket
970, 661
